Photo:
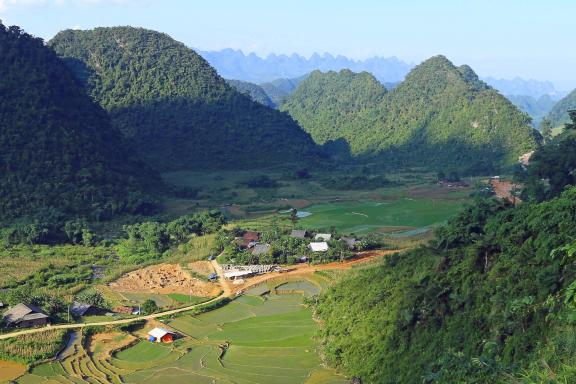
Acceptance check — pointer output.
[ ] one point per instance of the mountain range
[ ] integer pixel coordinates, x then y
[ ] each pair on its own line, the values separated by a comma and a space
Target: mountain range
234, 64
440, 114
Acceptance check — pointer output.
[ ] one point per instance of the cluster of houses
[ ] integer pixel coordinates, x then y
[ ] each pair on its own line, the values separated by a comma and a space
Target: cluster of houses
320, 240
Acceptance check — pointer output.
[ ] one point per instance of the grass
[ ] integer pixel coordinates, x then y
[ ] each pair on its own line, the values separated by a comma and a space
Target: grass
144, 351
181, 298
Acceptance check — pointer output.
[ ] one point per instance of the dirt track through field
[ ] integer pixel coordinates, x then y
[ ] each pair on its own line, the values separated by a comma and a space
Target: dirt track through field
227, 291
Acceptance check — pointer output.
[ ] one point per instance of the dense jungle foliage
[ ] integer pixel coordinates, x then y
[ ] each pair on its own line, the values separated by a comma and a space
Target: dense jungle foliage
559, 113
59, 153
173, 107
491, 300
440, 115
552, 167
255, 92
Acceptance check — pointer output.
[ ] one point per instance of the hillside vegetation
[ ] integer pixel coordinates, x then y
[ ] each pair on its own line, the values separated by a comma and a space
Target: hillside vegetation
173, 107
59, 153
440, 115
485, 303
559, 114
255, 92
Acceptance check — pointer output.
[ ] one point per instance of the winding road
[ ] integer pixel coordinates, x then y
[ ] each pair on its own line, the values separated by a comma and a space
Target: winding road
227, 291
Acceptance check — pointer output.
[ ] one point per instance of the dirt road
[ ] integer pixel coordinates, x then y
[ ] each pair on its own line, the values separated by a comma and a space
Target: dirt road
227, 291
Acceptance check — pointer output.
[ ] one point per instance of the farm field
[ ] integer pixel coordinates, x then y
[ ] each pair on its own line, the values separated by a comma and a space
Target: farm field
404, 214
257, 338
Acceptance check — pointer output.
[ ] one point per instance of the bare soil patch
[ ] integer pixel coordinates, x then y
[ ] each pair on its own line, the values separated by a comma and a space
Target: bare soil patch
201, 267
10, 370
164, 279
103, 344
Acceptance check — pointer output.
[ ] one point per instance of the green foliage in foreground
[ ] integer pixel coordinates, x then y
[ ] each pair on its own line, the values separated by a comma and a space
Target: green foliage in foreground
149, 240
59, 152
485, 303
440, 115
173, 107
32, 348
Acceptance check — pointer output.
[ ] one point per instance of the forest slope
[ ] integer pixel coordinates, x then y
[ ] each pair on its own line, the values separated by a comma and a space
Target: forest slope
173, 107
59, 153
441, 114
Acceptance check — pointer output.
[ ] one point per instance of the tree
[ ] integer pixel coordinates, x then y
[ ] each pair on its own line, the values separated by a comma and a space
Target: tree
92, 297
546, 130
571, 126
149, 307
294, 216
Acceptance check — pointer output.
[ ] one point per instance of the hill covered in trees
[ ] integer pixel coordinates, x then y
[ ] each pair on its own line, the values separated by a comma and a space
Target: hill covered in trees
173, 107
336, 105
59, 153
490, 301
558, 116
255, 92
537, 108
440, 115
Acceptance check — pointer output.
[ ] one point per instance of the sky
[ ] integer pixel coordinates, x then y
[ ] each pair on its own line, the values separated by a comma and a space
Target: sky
532, 39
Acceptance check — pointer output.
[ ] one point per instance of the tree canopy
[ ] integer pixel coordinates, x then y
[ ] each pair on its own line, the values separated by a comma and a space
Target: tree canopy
173, 107
59, 153
439, 115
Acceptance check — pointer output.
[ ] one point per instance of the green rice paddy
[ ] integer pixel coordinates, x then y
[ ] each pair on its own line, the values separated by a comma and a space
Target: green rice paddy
370, 216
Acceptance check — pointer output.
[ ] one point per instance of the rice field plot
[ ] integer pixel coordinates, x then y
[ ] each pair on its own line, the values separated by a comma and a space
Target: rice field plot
372, 215
261, 338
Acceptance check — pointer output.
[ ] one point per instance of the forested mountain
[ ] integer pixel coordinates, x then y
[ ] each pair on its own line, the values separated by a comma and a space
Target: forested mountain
537, 108
173, 107
559, 114
234, 64
279, 89
336, 105
439, 115
255, 92
59, 153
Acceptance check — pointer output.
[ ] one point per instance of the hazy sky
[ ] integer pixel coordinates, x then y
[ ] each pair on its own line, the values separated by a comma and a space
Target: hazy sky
533, 39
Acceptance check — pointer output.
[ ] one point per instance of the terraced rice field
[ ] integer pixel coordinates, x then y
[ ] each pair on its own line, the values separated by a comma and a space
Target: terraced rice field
257, 338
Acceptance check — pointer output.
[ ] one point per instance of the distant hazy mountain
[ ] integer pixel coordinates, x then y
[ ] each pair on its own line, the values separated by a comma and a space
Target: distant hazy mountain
518, 86
537, 108
440, 115
234, 64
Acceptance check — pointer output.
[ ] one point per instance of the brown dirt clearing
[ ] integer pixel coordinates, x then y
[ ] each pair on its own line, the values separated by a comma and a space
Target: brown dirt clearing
164, 279
10, 370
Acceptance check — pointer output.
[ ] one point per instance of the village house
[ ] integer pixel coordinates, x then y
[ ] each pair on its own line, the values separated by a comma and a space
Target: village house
251, 236
79, 309
319, 246
260, 249
161, 335
350, 241
323, 236
25, 316
299, 234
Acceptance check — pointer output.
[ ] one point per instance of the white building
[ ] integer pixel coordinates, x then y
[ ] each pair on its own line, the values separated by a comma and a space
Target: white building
319, 246
323, 236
